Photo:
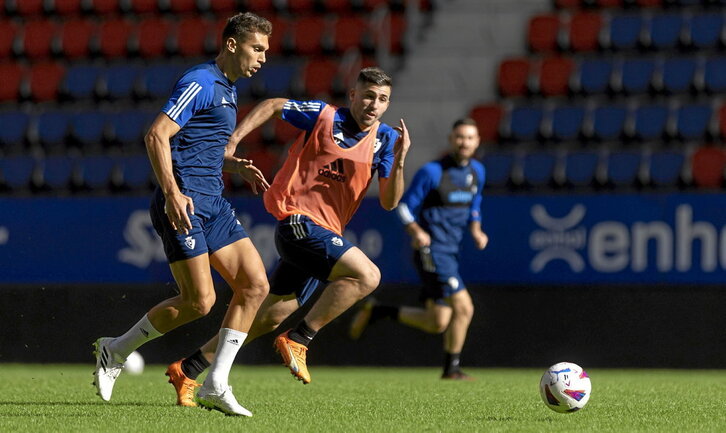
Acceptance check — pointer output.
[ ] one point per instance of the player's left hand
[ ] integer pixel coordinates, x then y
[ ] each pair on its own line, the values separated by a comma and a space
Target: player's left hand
403, 143
480, 239
252, 175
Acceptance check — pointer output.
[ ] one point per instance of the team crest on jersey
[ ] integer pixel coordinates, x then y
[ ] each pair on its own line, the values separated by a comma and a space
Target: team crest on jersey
377, 145
335, 170
190, 242
338, 242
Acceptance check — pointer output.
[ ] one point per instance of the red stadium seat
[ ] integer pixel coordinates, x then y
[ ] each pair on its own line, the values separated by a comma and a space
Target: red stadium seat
349, 32
45, 79
337, 6
184, 6
8, 32
308, 34
373, 4
542, 33
11, 75
153, 34
284, 132
254, 5
513, 76
585, 31
114, 35
487, 119
301, 6
554, 75
75, 37
649, 3
568, 4
609, 3
707, 167
398, 29
28, 8
104, 7
68, 7
37, 38
192, 33
144, 6
319, 75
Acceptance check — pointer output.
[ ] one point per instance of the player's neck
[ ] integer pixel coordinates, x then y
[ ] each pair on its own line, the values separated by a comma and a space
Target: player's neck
224, 65
460, 160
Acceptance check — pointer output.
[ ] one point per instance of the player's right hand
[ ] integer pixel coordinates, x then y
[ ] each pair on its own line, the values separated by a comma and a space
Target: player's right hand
175, 207
420, 240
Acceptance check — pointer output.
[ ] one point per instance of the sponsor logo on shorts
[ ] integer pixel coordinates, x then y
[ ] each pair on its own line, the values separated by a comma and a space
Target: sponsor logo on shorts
190, 242
454, 283
335, 170
338, 242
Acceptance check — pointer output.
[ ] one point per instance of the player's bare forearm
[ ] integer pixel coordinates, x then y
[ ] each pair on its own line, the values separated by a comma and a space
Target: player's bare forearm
260, 114
392, 187
158, 147
480, 238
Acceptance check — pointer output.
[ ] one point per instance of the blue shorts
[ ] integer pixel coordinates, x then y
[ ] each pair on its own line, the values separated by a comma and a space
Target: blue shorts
214, 225
439, 274
308, 253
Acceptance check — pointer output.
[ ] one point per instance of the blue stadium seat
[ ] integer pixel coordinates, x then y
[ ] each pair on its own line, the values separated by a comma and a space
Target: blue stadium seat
664, 30
80, 81
120, 80
581, 167
96, 171
608, 122
650, 122
692, 121
52, 128
17, 171
637, 74
538, 168
244, 89
567, 122
275, 80
128, 127
136, 172
705, 30
665, 167
624, 31
58, 172
498, 168
678, 74
594, 75
623, 168
524, 122
14, 127
159, 79
88, 127
714, 75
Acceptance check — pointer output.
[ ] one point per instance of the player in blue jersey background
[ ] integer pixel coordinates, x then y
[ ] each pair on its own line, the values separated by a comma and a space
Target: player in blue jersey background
188, 149
443, 201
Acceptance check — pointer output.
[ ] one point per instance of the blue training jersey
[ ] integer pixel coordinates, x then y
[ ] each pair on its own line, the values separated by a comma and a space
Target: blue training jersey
443, 199
204, 105
304, 115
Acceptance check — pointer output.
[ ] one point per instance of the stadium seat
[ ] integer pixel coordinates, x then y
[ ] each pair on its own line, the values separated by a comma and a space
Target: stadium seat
80, 81
158, 79
27, 8
144, 6
513, 77
609, 3
275, 80
182, 6
581, 168
319, 76
722, 122
37, 37
300, 6
624, 32
228, 7
308, 34
153, 36
75, 37
127, 128
542, 33
568, 4
498, 167
191, 37
649, 3
567, 122
14, 129
704, 30
68, 7
623, 168
281, 34
636, 75
677, 75
538, 168
97, 172
585, 31
58, 172
45, 79
284, 132
17, 171
52, 128
488, 117
87, 128
11, 75
350, 32
608, 122
336, 6
554, 76
136, 172
714, 75
593, 76
692, 121
649, 122
397, 27
8, 32
104, 7
118, 81
114, 35
663, 31
665, 168
707, 167
523, 123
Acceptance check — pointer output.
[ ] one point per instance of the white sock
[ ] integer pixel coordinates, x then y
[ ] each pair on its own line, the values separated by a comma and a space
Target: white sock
139, 334
230, 341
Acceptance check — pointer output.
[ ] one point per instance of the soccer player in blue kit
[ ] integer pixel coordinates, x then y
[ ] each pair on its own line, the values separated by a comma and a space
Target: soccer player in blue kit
444, 198
188, 148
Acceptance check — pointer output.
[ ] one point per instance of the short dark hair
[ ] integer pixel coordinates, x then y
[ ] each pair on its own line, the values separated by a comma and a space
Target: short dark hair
468, 121
244, 25
374, 75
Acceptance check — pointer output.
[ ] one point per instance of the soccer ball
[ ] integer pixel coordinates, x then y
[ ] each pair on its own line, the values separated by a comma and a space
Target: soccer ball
134, 364
565, 387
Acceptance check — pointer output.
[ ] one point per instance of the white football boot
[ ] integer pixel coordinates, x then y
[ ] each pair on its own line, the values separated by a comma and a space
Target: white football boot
223, 402
107, 368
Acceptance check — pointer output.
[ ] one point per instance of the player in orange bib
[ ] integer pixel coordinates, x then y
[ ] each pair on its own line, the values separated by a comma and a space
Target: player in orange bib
314, 195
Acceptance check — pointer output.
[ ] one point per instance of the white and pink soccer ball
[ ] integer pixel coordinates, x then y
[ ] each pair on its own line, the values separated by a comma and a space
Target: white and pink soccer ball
565, 387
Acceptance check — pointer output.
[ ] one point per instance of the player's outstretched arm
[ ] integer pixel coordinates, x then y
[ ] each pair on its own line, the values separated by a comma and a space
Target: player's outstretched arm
391, 188
262, 112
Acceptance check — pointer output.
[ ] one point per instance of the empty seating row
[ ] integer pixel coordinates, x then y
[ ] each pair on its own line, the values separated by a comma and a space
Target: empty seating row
607, 168
576, 4
639, 29
592, 75
647, 121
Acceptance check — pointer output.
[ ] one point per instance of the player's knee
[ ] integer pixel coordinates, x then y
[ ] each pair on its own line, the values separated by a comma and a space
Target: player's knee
465, 310
257, 290
439, 326
371, 278
202, 305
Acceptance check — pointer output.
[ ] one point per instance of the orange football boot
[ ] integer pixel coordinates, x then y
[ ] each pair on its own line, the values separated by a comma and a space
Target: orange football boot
184, 386
293, 355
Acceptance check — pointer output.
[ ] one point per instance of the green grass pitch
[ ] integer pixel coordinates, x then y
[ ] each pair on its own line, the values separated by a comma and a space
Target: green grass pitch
60, 398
